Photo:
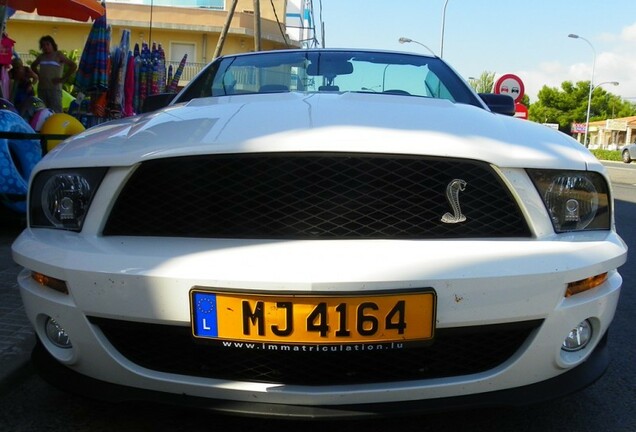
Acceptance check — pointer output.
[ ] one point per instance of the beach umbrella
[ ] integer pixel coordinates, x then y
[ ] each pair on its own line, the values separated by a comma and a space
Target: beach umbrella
129, 86
154, 75
93, 69
78, 10
172, 88
144, 68
119, 68
161, 62
170, 73
137, 77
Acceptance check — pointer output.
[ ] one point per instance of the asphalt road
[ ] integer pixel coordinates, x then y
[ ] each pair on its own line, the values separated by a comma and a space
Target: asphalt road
608, 405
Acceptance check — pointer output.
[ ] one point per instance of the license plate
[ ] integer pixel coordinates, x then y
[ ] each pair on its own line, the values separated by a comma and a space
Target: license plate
313, 319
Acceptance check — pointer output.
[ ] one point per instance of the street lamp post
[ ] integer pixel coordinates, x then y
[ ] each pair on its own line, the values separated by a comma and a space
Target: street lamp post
589, 97
403, 40
441, 39
614, 83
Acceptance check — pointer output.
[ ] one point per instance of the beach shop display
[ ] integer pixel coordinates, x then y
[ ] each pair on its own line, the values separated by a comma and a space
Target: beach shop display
117, 79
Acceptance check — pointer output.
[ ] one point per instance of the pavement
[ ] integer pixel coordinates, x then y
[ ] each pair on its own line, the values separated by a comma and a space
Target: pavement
16, 334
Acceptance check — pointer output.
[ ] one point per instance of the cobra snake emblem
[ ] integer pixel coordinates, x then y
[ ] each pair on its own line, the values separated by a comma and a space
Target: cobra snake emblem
452, 195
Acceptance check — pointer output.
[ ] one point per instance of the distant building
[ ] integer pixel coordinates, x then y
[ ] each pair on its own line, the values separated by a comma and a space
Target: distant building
182, 27
610, 134
300, 22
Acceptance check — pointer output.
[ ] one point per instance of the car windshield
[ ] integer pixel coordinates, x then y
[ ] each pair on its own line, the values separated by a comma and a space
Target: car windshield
330, 71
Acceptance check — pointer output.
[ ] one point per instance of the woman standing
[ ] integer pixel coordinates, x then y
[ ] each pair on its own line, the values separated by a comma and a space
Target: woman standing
49, 66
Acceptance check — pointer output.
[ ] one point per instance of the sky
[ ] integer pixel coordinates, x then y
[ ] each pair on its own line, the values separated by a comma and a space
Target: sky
528, 38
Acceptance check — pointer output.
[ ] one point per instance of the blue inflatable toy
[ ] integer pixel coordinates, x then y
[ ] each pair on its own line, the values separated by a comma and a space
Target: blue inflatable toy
17, 159
6, 105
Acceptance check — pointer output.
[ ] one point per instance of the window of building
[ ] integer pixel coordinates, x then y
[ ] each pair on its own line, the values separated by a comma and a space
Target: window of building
178, 49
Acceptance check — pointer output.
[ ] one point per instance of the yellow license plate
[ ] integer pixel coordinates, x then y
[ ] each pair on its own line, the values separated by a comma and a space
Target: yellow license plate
313, 319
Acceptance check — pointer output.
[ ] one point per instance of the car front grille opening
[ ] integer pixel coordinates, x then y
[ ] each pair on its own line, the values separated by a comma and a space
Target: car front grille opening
454, 352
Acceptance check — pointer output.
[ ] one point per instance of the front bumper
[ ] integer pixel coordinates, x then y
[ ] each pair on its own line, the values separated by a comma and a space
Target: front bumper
477, 283
574, 380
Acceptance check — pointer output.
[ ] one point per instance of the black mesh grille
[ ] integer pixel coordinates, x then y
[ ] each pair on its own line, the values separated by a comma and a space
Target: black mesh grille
302, 196
454, 352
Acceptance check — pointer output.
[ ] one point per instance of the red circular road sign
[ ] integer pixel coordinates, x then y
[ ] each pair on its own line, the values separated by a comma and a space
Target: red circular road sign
511, 85
521, 111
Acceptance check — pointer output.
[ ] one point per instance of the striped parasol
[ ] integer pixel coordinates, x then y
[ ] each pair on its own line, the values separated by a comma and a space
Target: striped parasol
170, 73
129, 86
119, 62
172, 88
93, 70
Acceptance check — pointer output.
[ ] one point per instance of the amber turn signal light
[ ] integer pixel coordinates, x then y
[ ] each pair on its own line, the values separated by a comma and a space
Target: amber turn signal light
585, 284
50, 282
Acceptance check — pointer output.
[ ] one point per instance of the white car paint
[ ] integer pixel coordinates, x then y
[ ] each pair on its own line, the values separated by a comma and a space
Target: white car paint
324, 122
477, 281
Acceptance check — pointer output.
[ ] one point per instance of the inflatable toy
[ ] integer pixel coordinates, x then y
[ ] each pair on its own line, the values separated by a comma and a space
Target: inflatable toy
67, 99
62, 124
6, 105
30, 106
77, 108
40, 116
17, 159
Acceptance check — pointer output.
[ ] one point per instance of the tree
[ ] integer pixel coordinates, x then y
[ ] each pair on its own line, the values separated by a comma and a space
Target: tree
569, 105
483, 84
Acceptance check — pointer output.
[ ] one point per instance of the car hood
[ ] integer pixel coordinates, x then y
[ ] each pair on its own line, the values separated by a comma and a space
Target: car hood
335, 122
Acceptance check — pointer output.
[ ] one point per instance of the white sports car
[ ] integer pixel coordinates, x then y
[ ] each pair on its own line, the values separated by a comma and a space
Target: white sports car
322, 233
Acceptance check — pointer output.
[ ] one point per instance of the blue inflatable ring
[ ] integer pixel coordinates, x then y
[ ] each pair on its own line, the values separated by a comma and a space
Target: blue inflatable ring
17, 159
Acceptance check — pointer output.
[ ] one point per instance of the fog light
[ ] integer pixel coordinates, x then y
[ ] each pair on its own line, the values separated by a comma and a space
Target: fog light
56, 334
578, 337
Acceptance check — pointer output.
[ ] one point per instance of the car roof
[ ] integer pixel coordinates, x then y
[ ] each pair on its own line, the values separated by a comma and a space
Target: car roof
318, 50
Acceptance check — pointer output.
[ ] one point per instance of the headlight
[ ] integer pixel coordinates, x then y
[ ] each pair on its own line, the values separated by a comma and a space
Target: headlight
61, 198
575, 200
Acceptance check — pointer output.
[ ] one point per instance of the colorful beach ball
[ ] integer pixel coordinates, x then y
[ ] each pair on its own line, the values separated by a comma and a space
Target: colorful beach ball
40, 116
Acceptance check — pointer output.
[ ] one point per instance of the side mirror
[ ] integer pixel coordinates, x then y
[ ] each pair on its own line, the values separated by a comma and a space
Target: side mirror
157, 101
499, 103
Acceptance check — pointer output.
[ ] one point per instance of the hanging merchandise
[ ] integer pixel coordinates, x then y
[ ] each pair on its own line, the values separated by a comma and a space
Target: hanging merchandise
151, 74
6, 50
117, 79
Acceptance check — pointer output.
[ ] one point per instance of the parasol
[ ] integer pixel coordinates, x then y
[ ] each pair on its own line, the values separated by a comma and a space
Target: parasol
78, 10
92, 71
119, 62
172, 88
129, 86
